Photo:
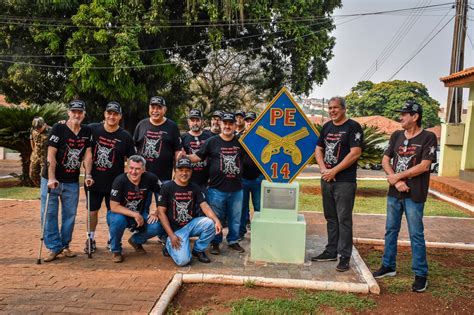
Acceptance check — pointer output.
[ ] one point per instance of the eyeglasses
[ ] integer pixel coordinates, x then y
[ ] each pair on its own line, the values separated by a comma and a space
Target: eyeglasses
405, 145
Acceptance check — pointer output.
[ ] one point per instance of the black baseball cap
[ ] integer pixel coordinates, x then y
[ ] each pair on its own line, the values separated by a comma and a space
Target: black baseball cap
410, 107
250, 115
157, 100
113, 107
77, 105
195, 113
228, 117
239, 112
184, 162
217, 113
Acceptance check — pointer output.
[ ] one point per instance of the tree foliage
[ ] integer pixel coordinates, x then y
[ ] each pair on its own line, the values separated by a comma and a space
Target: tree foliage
368, 99
130, 50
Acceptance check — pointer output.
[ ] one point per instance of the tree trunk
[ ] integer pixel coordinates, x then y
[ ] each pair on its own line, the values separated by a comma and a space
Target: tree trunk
25, 168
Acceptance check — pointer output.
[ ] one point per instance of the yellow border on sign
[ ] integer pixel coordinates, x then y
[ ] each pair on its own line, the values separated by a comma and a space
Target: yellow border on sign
283, 90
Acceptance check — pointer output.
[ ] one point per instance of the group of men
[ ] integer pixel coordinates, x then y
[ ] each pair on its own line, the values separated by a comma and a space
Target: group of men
203, 179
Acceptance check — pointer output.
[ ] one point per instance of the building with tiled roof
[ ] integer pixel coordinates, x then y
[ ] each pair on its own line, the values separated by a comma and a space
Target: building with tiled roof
384, 124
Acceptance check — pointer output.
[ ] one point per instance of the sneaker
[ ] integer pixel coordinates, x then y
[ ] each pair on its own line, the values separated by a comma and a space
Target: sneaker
138, 247
325, 256
69, 253
384, 272
215, 250
52, 256
237, 247
201, 256
108, 244
343, 264
86, 246
117, 257
420, 284
165, 252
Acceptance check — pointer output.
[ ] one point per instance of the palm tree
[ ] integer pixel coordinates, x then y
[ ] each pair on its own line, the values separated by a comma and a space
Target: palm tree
15, 125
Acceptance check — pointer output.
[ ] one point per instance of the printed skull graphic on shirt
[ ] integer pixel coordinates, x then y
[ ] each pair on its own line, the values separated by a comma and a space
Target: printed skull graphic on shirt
330, 152
132, 204
229, 163
72, 158
181, 210
151, 148
403, 163
200, 164
102, 159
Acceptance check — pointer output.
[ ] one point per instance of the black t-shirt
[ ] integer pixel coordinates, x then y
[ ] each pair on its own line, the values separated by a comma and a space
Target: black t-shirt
225, 163
158, 144
337, 142
70, 151
181, 203
191, 145
407, 153
131, 196
251, 171
109, 150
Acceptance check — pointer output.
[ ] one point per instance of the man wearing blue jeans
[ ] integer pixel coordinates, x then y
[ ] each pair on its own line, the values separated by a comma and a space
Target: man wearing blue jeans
411, 150
179, 205
224, 154
68, 145
127, 202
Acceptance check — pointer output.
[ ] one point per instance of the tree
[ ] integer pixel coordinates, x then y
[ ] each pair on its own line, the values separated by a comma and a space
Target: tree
368, 98
130, 50
15, 125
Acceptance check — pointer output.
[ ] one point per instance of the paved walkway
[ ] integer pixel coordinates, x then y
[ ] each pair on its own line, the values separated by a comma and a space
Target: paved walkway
97, 285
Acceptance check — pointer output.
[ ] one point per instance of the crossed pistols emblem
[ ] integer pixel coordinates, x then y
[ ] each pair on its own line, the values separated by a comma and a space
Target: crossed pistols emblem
275, 143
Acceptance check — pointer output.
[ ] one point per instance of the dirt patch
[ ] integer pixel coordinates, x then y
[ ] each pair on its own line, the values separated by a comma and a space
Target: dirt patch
214, 299
361, 192
10, 182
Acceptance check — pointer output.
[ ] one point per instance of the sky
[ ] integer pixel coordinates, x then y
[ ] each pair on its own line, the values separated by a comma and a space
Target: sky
360, 41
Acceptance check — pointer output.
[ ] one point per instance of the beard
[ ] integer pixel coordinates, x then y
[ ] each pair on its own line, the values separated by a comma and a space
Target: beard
195, 128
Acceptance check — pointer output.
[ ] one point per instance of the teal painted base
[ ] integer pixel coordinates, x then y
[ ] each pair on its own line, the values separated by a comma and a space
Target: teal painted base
279, 242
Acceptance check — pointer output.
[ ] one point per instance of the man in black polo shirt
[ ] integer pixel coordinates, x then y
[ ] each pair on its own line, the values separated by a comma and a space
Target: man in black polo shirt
111, 145
68, 145
224, 156
127, 202
192, 141
339, 147
177, 210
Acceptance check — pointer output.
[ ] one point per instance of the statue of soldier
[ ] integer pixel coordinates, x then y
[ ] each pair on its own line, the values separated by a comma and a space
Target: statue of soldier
38, 140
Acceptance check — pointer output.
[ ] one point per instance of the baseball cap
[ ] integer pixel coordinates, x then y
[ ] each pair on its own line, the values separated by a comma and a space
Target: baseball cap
184, 162
113, 107
228, 117
239, 112
195, 113
157, 100
77, 105
37, 122
410, 107
217, 113
250, 115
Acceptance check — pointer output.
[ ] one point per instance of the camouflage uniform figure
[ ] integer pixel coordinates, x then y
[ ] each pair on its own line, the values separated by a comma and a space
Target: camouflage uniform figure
38, 139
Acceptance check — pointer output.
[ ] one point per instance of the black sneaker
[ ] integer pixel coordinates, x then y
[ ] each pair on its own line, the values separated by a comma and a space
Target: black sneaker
343, 264
165, 252
215, 250
325, 256
237, 247
108, 244
93, 247
201, 256
420, 284
384, 272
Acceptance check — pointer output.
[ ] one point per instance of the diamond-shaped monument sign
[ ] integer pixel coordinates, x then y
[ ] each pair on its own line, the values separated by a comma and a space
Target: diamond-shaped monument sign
282, 139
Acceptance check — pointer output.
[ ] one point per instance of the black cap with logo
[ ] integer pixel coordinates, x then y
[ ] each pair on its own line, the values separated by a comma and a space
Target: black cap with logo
410, 107
195, 113
228, 117
77, 105
239, 112
217, 113
157, 100
184, 162
113, 107
250, 115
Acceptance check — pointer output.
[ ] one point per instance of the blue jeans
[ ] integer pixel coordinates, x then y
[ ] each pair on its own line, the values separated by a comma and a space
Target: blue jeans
68, 194
118, 223
227, 205
250, 188
414, 214
200, 226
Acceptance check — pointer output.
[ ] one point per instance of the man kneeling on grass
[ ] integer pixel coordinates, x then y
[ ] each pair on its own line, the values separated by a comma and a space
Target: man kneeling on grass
178, 215
127, 201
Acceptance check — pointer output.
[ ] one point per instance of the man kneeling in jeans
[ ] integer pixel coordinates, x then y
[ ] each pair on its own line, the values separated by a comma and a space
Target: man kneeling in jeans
127, 201
177, 213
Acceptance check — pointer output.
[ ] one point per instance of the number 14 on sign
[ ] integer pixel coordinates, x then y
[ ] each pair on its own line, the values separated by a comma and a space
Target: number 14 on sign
284, 170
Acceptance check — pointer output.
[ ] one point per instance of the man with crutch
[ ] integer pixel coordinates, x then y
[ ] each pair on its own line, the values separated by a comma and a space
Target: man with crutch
68, 145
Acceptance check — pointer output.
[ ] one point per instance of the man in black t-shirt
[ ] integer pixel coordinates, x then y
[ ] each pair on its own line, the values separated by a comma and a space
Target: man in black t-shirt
68, 145
224, 157
239, 122
177, 211
215, 123
339, 147
127, 202
411, 150
111, 145
192, 141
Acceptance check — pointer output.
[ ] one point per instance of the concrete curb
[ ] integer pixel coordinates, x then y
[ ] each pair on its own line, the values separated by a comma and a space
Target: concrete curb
366, 273
452, 200
375, 241
167, 296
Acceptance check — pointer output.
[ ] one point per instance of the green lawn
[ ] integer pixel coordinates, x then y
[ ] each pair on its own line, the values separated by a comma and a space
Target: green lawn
376, 203
20, 192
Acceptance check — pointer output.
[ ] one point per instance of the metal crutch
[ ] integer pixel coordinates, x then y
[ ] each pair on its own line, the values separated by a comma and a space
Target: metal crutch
89, 240
38, 261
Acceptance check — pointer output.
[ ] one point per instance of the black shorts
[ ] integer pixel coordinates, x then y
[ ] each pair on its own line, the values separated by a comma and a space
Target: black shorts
96, 198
